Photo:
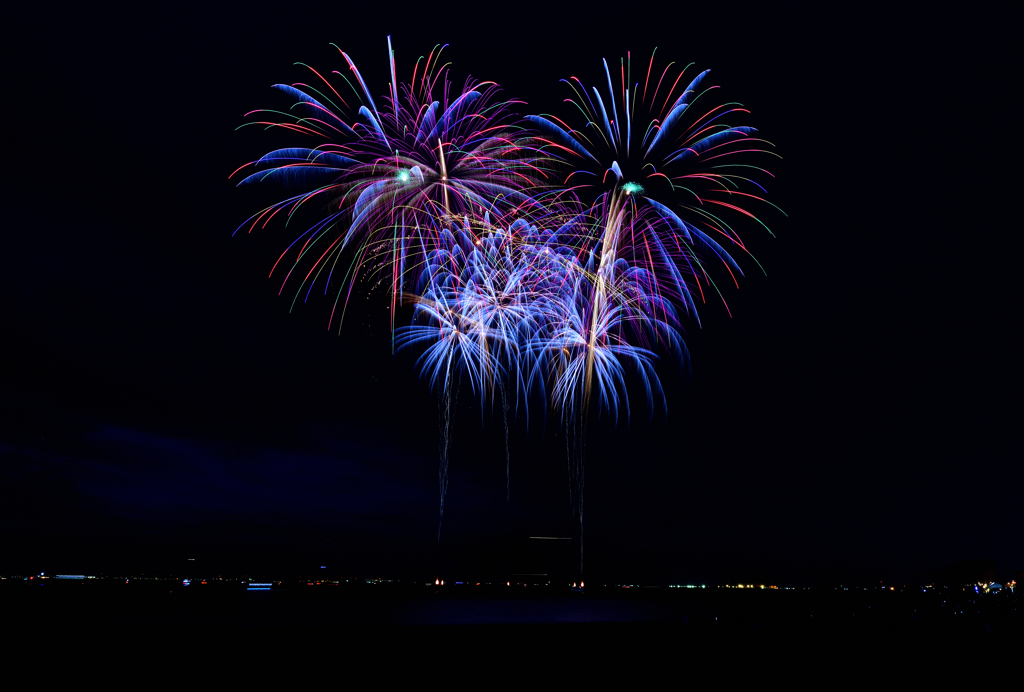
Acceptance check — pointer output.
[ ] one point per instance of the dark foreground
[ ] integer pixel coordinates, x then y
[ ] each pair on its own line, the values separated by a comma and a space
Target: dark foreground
166, 603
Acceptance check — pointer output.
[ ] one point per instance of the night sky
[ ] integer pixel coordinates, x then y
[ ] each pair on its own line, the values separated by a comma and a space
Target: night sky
854, 420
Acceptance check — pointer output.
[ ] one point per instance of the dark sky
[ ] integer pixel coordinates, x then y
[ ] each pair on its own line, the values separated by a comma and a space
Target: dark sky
854, 420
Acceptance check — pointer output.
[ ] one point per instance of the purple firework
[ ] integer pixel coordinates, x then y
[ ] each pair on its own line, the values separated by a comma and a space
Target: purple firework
391, 180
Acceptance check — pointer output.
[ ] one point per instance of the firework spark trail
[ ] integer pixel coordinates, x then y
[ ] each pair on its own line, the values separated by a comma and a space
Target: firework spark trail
445, 405
577, 438
508, 460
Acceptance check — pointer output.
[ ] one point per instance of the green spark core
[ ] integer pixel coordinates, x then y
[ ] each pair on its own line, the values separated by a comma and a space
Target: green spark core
403, 176
632, 189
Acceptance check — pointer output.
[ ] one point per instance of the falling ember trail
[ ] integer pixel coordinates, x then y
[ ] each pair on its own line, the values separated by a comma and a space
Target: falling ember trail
575, 441
445, 405
504, 418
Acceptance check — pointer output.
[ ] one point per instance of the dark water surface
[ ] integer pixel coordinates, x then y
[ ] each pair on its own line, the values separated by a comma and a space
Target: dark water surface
166, 603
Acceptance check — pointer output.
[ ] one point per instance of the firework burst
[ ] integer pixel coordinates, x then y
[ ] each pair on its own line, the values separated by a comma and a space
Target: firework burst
392, 180
541, 260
